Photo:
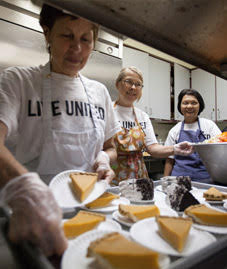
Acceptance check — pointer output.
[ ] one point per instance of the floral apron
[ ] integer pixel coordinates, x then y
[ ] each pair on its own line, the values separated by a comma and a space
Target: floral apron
129, 145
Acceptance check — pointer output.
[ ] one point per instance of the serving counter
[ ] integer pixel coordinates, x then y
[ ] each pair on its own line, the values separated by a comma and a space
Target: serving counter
212, 256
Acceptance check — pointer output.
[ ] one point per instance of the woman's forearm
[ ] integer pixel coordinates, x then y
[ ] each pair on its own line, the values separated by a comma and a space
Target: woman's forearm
110, 149
168, 167
160, 151
9, 166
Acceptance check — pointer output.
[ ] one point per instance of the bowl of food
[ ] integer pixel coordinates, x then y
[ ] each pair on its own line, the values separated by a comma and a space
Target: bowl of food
214, 157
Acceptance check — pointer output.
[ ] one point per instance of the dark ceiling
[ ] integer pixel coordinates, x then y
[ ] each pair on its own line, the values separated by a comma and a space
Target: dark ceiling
194, 31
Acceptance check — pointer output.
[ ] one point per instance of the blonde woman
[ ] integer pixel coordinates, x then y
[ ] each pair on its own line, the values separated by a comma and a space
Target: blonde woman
137, 132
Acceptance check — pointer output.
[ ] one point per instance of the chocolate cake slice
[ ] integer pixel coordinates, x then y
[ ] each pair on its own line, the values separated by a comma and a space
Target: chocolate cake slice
179, 197
185, 181
146, 187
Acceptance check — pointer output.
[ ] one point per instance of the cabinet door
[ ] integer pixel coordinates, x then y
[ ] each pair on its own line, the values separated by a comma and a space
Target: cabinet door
139, 59
181, 81
204, 83
221, 98
159, 89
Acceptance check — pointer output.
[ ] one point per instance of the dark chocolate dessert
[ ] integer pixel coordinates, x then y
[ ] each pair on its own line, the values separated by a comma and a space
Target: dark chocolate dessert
179, 197
185, 181
137, 190
146, 187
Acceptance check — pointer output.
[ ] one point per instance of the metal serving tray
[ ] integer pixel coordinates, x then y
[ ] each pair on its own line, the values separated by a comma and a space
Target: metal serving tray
213, 256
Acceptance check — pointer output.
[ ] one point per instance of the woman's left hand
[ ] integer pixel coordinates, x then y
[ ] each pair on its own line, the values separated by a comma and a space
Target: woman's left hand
102, 167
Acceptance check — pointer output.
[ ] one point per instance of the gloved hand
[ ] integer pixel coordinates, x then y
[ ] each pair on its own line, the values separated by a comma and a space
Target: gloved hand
183, 148
36, 216
102, 166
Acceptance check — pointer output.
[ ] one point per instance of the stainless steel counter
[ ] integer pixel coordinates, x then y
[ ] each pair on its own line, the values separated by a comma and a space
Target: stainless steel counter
213, 256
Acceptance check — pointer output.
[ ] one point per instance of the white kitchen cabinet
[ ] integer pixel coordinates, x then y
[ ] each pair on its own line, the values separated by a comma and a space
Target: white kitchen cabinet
204, 83
159, 89
139, 59
221, 86
181, 81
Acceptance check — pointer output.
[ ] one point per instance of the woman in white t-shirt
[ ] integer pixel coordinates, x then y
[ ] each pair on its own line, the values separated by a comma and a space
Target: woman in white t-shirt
53, 119
192, 129
136, 133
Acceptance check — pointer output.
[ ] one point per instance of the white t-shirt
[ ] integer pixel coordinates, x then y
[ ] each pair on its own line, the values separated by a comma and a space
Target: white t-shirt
21, 107
208, 127
126, 119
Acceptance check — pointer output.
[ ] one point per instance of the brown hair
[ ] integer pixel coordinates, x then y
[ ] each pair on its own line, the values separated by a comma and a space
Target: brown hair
123, 73
49, 15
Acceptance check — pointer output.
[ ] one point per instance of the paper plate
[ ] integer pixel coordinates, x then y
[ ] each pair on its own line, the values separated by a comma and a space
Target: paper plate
64, 194
76, 254
147, 229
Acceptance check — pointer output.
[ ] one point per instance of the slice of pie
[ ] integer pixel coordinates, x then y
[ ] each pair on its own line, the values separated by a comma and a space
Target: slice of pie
174, 230
116, 251
82, 222
138, 212
83, 184
213, 194
103, 200
206, 215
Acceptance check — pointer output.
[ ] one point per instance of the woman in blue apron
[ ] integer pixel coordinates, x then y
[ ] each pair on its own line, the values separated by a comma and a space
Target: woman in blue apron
192, 129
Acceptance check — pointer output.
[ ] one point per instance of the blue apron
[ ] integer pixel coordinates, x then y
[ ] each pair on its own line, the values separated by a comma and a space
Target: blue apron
191, 165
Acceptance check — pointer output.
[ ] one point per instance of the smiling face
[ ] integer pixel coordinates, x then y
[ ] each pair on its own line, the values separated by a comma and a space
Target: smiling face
129, 88
190, 108
71, 42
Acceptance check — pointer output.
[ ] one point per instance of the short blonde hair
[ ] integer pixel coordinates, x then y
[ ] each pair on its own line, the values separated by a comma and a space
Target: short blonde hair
123, 74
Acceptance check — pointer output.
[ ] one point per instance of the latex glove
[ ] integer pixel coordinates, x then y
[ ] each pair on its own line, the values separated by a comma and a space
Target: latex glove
36, 216
183, 148
102, 167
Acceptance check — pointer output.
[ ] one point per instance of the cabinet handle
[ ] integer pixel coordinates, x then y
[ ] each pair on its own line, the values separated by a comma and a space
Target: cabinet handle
212, 114
219, 114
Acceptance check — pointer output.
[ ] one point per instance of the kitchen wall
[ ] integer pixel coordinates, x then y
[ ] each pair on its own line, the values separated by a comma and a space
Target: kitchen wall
162, 129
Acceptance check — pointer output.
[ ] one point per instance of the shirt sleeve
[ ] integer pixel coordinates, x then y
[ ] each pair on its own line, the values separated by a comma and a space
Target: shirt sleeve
215, 130
10, 99
149, 131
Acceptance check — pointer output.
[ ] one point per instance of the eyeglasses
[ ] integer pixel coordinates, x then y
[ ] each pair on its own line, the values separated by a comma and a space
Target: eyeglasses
130, 83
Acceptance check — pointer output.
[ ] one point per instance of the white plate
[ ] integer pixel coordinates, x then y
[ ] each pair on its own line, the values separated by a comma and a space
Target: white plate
63, 193
199, 196
225, 205
211, 229
121, 219
159, 188
142, 202
127, 222
112, 206
75, 255
146, 233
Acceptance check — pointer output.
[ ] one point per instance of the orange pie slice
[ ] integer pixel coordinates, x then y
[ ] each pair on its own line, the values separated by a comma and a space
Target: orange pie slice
115, 251
174, 230
138, 212
206, 215
82, 222
103, 200
83, 184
